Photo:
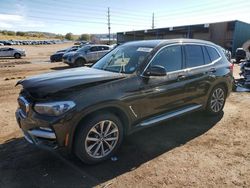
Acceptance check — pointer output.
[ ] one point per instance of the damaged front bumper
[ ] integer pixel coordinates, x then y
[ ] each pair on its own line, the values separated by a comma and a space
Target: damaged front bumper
40, 136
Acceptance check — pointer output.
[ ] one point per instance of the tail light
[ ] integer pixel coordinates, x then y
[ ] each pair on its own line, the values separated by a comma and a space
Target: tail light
231, 67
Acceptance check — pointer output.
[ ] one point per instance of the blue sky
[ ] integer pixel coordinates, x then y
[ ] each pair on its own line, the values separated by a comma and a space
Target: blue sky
82, 16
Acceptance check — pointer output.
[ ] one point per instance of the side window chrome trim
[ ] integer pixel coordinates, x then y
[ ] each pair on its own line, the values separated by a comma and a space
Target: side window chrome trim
185, 69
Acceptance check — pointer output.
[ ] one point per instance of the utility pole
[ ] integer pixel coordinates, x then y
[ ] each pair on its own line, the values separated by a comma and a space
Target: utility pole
153, 20
109, 23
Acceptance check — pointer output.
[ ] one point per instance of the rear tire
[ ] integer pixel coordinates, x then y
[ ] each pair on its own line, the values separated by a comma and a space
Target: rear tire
216, 100
98, 138
17, 55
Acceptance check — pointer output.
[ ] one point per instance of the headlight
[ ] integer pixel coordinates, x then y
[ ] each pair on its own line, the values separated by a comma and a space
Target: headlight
54, 108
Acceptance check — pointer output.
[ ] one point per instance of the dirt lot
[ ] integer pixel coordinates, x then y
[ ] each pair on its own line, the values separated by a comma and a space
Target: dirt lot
192, 151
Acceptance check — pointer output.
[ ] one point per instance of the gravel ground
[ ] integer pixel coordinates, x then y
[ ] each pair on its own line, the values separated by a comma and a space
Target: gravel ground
192, 151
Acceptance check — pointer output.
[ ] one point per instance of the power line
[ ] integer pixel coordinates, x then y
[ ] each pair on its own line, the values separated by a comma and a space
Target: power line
76, 15
70, 20
203, 8
121, 9
88, 8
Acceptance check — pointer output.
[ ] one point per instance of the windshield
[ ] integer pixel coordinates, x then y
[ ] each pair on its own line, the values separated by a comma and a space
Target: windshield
123, 59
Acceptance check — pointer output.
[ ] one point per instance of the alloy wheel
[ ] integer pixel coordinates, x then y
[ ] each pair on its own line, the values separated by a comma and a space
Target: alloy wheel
102, 139
217, 100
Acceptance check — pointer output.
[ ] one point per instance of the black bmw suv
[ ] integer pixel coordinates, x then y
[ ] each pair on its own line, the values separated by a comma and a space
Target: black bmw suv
88, 111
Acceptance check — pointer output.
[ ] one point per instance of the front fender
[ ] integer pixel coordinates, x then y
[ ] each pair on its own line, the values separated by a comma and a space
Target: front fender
100, 107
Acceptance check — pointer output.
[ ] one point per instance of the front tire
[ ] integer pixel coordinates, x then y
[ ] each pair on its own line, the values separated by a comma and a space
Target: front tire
17, 55
98, 138
216, 100
80, 62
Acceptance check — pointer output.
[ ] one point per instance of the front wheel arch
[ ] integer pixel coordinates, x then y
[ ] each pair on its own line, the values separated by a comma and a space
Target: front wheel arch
17, 55
82, 134
117, 111
80, 61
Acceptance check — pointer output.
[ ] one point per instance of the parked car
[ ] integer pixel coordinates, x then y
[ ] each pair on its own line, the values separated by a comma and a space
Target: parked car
57, 57
228, 54
137, 85
240, 54
80, 42
6, 42
86, 54
12, 52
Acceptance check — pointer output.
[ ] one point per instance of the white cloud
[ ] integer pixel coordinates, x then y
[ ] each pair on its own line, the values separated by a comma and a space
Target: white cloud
5, 25
18, 22
10, 17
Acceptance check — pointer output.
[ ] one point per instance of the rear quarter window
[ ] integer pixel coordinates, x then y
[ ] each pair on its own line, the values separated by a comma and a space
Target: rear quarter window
213, 54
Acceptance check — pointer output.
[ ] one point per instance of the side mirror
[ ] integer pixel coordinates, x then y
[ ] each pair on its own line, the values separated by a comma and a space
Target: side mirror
156, 70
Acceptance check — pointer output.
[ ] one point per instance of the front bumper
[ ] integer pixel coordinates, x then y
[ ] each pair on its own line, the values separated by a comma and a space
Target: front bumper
67, 61
41, 136
52, 132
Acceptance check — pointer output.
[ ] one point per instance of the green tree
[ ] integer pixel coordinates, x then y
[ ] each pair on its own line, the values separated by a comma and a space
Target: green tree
20, 33
11, 33
58, 36
69, 36
85, 37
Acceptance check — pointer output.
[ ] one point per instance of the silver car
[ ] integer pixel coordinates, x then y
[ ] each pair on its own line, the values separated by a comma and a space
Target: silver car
85, 55
12, 52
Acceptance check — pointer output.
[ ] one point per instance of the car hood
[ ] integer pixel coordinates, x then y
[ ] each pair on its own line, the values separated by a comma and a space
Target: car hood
20, 50
42, 85
59, 53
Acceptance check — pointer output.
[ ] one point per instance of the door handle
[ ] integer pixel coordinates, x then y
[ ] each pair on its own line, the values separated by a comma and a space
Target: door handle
180, 77
212, 70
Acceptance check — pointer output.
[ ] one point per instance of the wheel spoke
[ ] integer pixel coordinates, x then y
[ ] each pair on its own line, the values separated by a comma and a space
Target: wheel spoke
95, 131
213, 104
113, 131
101, 126
215, 107
91, 147
218, 107
102, 147
107, 129
220, 102
221, 95
97, 148
92, 139
111, 139
109, 146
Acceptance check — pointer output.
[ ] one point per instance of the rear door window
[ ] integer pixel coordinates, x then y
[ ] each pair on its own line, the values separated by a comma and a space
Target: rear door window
193, 56
102, 48
170, 58
94, 49
213, 54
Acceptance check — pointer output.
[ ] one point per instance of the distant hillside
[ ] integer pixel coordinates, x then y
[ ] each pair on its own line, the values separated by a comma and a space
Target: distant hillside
43, 33
20, 35
37, 35
6, 37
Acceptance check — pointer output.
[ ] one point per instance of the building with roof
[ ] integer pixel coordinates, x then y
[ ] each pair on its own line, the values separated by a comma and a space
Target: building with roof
229, 34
